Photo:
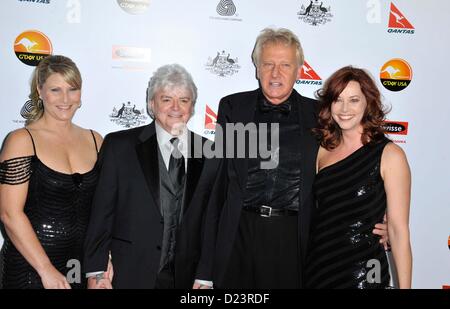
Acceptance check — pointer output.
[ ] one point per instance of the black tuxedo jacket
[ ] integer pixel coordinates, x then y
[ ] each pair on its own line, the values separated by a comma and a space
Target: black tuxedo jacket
229, 188
126, 219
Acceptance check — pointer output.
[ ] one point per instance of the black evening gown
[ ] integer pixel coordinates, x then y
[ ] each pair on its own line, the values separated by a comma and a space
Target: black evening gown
58, 206
343, 252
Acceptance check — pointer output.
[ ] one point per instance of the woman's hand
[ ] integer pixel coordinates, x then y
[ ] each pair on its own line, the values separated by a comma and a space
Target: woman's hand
53, 279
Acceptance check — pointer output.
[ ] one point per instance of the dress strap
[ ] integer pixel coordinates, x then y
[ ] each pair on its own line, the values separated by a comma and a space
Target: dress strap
95, 141
32, 140
16, 171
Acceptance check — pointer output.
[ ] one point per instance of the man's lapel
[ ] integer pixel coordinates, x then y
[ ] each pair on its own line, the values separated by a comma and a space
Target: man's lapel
194, 169
147, 152
245, 114
309, 147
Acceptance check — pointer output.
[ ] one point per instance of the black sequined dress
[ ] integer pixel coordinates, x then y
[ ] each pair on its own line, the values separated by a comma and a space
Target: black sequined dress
58, 207
344, 253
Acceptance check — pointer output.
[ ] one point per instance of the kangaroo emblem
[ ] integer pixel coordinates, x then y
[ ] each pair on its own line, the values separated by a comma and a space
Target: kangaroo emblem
25, 42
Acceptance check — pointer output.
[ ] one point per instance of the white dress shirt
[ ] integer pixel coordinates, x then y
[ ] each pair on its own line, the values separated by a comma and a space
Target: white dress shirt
166, 147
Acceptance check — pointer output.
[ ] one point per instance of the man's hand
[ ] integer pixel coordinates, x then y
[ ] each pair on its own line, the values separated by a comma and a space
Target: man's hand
94, 283
110, 271
381, 229
99, 281
200, 285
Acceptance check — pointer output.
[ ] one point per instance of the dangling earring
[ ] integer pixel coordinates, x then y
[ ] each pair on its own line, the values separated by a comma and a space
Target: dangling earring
79, 106
40, 103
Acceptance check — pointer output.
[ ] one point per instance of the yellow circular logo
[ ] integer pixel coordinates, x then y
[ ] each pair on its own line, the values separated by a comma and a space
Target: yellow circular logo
32, 46
396, 74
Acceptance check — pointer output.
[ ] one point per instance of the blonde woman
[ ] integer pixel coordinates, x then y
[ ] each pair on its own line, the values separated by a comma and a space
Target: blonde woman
48, 174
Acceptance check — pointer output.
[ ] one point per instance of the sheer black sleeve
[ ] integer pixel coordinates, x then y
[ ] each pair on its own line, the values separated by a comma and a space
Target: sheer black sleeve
16, 171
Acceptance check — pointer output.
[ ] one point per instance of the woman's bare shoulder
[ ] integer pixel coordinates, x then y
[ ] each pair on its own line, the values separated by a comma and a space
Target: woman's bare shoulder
18, 143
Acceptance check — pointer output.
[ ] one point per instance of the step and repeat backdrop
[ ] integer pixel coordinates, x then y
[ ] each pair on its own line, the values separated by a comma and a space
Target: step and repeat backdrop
118, 44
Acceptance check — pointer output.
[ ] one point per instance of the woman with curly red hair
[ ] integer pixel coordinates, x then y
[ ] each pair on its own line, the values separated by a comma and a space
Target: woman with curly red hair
361, 175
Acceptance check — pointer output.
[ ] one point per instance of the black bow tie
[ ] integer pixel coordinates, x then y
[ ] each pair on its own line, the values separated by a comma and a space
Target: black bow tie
284, 107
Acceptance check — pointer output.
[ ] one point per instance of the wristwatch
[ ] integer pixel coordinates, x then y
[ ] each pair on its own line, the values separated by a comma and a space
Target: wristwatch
99, 277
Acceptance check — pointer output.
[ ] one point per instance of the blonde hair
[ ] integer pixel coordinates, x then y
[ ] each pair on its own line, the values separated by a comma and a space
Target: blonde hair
277, 36
34, 108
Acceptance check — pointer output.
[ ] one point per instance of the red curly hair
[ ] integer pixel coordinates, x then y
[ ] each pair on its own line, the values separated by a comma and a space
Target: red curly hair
328, 132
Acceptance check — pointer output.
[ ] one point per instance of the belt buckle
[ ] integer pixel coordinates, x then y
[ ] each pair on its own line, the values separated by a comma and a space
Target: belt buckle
263, 207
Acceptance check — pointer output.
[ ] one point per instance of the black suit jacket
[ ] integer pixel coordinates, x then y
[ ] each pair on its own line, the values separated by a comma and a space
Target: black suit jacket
126, 219
229, 188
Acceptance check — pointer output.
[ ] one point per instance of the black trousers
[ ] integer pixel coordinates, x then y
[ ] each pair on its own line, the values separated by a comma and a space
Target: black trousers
165, 278
265, 254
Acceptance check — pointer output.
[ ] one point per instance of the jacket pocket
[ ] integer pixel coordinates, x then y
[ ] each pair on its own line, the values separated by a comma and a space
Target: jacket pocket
121, 239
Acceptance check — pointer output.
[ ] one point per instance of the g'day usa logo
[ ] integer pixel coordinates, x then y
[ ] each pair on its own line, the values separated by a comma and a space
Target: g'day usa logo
32, 46
396, 74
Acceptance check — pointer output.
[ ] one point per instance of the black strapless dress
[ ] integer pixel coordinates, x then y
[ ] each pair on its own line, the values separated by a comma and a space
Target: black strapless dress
58, 206
344, 253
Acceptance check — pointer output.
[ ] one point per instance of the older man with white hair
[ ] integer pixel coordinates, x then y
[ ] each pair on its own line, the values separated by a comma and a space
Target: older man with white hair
144, 213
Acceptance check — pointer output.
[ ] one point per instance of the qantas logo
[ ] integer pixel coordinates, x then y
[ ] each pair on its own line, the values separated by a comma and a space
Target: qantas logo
308, 76
398, 23
210, 120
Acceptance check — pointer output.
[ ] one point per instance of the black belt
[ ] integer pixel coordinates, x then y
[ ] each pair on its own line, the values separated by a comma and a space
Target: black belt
267, 211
